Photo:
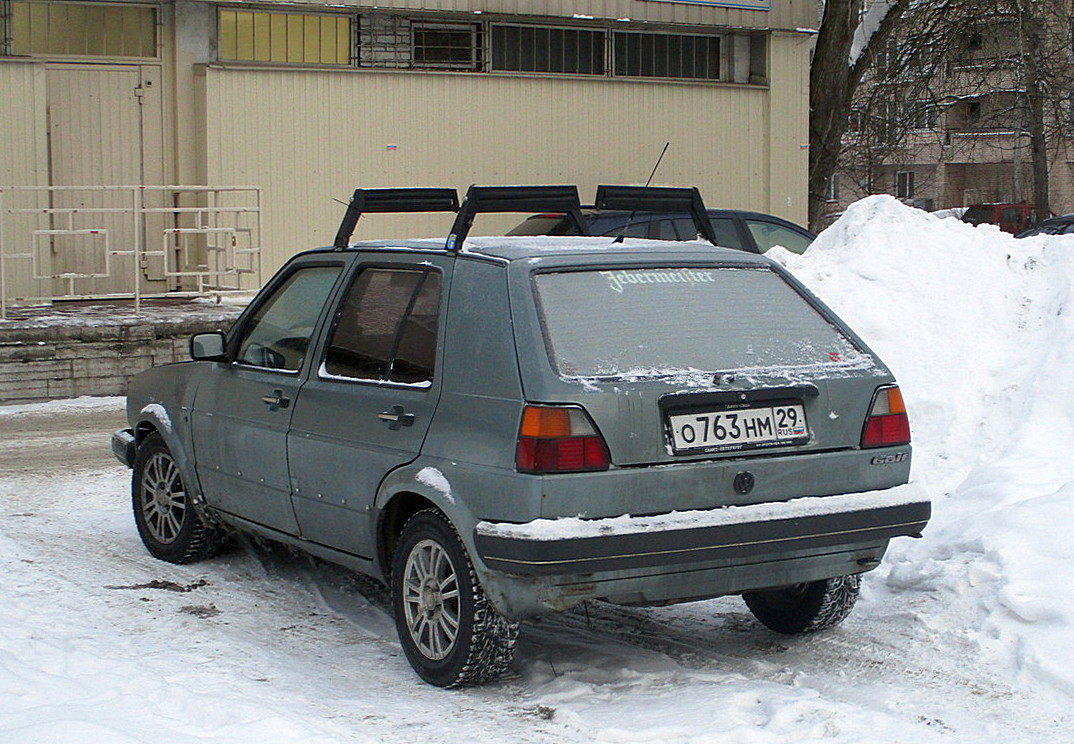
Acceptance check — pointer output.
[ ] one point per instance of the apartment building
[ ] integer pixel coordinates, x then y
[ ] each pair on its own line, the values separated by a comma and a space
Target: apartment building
946, 117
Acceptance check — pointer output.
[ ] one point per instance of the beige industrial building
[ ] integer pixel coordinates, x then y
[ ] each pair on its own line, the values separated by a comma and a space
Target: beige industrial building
299, 102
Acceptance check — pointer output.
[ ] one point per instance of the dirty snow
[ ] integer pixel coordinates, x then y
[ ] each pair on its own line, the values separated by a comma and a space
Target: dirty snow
962, 637
436, 480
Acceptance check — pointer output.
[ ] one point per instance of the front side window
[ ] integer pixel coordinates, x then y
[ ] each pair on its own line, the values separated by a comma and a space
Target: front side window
656, 322
278, 334
387, 328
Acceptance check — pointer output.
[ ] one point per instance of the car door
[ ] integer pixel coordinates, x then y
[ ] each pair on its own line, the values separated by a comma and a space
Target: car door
367, 406
243, 407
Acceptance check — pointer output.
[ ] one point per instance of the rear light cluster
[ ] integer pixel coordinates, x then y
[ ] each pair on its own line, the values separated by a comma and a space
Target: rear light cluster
887, 424
559, 439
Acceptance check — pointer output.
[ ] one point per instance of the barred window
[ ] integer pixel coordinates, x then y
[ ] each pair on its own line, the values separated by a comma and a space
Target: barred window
667, 56
538, 49
83, 29
448, 46
298, 38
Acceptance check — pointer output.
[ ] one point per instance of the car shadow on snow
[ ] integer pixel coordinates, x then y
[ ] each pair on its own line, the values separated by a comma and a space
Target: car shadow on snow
595, 641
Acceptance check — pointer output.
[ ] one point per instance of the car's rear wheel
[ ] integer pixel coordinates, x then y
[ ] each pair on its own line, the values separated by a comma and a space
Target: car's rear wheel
170, 527
805, 608
450, 632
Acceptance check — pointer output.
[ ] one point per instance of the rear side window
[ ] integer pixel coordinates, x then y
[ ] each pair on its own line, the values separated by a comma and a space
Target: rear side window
387, 328
726, 233
657, 322
769, 235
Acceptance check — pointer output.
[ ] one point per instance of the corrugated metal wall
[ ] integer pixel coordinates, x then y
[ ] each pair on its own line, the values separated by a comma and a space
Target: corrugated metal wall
23, 154
310, 137
788, 14
23, 132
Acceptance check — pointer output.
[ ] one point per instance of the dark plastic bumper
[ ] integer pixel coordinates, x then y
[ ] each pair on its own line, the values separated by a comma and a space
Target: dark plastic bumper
738, 535
124, 446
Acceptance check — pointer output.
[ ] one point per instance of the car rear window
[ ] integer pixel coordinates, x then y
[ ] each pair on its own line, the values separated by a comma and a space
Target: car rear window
655, 322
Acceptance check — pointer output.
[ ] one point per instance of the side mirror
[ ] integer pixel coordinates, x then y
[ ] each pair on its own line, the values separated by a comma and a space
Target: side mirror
208, 347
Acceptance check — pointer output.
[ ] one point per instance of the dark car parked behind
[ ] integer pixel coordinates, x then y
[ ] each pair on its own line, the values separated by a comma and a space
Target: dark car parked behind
1063, 225
753, 232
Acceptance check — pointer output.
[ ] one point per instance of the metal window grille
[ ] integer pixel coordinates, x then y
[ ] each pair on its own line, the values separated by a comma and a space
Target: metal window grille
540, 49
446, 46
667, 56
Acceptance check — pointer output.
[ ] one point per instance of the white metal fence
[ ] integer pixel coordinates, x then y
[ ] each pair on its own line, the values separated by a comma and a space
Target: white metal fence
131, 242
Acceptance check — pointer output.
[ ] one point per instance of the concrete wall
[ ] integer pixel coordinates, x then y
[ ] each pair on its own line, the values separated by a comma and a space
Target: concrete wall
41, 362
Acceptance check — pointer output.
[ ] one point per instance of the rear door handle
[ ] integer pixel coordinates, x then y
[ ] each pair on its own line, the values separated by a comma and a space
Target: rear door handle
396, 417
276, 400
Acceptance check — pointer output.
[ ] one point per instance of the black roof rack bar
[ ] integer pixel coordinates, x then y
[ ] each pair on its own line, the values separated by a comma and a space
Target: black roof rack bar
683, 199
481, 199
393, 200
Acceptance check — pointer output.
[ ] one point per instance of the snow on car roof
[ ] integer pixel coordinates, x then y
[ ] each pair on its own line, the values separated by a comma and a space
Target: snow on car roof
514, 248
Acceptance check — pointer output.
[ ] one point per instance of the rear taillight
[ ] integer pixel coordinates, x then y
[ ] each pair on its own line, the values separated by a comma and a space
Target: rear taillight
559, 439
887, 424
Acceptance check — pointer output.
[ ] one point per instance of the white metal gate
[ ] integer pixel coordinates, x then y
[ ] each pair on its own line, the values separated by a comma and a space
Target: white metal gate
202, 240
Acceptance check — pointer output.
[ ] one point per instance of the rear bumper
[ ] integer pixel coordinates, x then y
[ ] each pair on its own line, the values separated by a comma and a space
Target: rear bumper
729, 536
124, 446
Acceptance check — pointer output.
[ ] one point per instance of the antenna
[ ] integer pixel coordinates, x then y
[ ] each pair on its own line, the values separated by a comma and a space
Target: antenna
630, 220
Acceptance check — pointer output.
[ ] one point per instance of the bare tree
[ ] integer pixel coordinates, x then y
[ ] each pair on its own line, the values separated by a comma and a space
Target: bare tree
960, 78
850, 33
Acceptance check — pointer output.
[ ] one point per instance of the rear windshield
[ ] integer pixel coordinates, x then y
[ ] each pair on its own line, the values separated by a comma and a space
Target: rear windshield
657, 322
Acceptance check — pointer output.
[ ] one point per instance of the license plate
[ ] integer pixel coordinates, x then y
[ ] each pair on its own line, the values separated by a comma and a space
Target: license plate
762, 426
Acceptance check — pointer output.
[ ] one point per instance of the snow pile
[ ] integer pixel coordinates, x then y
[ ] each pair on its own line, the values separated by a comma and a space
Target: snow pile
979, 329
962, 637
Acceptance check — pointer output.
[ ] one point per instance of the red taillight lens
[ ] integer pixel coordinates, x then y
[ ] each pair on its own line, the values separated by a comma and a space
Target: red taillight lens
887, 424
559, 439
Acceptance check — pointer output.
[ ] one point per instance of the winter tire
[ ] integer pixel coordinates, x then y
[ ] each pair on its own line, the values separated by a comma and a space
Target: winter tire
450, 632
167, 521
805, 608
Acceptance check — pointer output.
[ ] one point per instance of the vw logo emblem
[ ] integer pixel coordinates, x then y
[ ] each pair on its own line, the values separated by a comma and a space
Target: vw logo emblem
744, 482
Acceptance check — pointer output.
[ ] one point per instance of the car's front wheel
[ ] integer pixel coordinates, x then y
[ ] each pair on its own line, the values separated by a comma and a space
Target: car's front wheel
450, 632
805, 608
170, 527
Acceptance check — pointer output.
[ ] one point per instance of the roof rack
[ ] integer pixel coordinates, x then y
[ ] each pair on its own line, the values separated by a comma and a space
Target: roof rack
480, 199
393, 200
658, 199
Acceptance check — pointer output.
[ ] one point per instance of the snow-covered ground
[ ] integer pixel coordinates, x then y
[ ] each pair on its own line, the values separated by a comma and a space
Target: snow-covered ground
965, 636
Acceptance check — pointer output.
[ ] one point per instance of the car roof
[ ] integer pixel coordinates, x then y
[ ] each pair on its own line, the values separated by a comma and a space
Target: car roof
571, 250
621, 215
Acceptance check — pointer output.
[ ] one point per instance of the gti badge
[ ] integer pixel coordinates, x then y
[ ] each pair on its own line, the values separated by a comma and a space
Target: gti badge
890, 459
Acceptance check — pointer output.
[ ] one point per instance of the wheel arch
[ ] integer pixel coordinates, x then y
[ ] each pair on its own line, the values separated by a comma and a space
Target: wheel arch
153, 419
391, 518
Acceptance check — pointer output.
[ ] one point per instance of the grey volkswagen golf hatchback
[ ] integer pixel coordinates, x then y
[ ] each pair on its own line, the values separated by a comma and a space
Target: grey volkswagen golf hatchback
503, 427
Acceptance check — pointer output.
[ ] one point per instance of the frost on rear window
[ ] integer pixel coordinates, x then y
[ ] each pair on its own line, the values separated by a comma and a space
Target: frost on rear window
685, 322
